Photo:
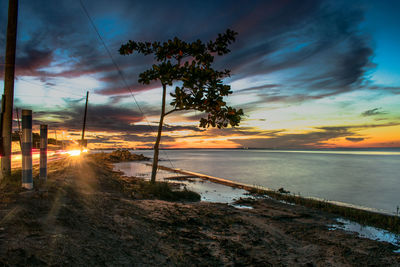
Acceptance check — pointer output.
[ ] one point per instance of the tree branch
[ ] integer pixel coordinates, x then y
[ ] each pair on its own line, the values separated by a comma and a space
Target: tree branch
172, 110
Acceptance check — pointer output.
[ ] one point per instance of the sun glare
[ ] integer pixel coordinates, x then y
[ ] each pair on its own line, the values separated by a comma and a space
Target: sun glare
74, 152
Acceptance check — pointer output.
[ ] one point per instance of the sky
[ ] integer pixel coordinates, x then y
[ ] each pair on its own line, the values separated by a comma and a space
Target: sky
308, 74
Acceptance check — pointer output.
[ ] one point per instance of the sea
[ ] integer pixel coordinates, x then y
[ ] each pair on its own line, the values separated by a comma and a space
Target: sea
364, 178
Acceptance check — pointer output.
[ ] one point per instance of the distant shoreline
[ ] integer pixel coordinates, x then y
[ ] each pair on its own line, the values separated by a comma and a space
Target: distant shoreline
273, 149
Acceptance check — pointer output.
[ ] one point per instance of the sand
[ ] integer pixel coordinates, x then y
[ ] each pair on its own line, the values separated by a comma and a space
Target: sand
86, 215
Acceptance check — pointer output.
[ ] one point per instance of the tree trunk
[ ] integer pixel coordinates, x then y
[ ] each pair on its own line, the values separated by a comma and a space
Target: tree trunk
157, 144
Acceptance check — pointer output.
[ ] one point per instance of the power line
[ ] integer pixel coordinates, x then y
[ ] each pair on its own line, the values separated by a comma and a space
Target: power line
119, 71
110, 55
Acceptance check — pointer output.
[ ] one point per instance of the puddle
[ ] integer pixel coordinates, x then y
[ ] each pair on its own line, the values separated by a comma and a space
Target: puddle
367, 232
210, 192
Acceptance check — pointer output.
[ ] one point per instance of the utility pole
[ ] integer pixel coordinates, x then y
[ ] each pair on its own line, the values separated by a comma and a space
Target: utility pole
84, 122
3, 107
9, 85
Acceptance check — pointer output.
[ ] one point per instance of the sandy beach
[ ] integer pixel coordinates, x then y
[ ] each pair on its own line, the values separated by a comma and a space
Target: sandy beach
87, 214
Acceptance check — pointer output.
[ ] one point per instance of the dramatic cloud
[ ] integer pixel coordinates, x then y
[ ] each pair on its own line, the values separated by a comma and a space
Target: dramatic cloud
104, 118
311, 139
373, 112
286, 53
393, 89
100, 118
294, 141
321, 45
361, 126
126, 90
273, 36
355, 139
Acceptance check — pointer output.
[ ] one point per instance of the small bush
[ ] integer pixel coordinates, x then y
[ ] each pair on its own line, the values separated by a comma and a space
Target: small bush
163, 191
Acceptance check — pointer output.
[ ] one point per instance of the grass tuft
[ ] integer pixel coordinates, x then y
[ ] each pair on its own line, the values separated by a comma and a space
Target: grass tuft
11, 184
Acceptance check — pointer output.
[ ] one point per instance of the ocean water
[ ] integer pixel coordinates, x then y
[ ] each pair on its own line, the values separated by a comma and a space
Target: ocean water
210, 192
363, 178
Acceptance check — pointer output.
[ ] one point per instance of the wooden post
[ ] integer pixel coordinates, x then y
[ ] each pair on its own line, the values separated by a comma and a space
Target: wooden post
3, 102
9, 72
55, 137
84, 121
43, 152
27, 181
62, 141
19, 128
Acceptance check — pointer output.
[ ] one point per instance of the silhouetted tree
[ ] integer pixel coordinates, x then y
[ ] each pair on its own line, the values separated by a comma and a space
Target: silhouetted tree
200, 86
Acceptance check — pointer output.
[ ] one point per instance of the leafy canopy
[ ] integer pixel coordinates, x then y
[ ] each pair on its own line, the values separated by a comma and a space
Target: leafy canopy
201, 87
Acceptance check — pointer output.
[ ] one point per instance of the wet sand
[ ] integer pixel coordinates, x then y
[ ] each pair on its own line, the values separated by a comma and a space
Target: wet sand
87, 215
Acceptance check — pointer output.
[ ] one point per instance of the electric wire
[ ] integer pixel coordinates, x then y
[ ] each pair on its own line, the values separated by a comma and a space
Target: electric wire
120, 73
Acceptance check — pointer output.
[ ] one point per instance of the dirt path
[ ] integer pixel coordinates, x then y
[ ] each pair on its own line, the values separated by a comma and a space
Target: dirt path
86, 218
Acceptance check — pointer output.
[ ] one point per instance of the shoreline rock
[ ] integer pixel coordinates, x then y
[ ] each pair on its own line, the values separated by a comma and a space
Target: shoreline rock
121, 155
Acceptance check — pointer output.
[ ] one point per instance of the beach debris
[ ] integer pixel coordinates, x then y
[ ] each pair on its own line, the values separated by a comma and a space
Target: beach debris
238, 206
188, 178
283, 191
245, 201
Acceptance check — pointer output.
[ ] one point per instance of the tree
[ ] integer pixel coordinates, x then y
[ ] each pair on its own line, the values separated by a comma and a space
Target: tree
199, 86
